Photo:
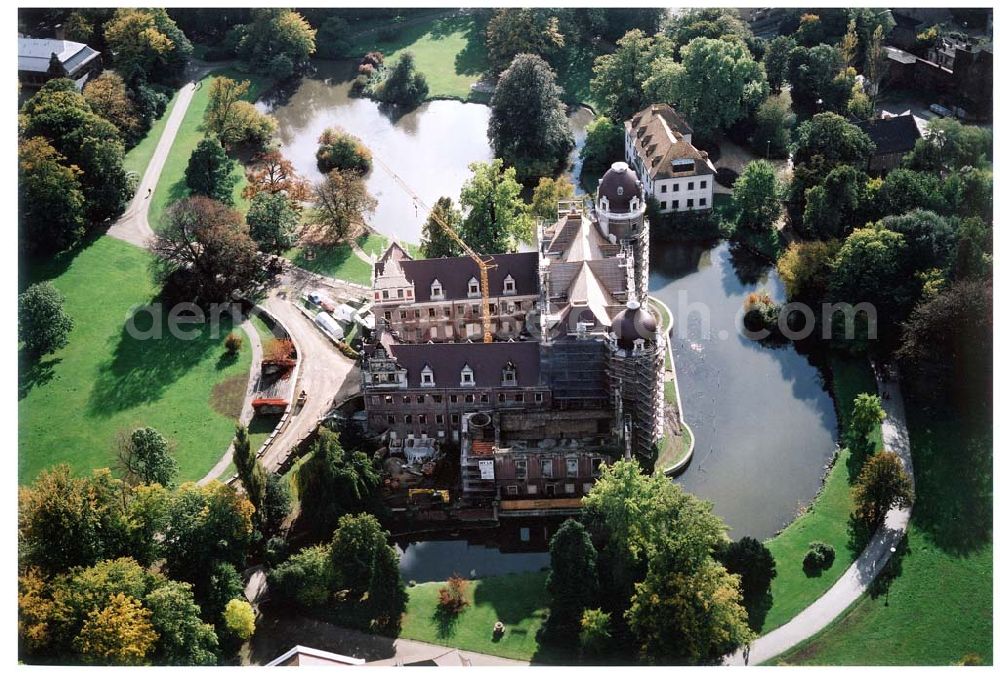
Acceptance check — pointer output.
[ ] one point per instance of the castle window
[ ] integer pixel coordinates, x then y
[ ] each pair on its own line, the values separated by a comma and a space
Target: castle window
677, 187
690, 202
663, 188
399, 294
701, 201
663, 204
468, 378
572, 467
378, 295
595, 465
546, 469
539, 397
439, 419
388, 315
407, 419
454, 418
473, 288
420, 398
674, 204
501, 398
409, 293
521, 469
509, 375
436, 398
690, 186
519, 398
454, 398
437, 292
704, 184
422, 419
484, 398
431, 312
391, 419
508, 285
427, 376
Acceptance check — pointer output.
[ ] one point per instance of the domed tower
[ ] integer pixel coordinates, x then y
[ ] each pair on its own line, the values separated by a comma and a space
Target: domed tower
621, 216
636, 362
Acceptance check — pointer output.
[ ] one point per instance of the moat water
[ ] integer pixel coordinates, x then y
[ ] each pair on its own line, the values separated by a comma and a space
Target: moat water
764, 423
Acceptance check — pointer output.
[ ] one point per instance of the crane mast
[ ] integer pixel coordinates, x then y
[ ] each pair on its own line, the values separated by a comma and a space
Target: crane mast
484, 265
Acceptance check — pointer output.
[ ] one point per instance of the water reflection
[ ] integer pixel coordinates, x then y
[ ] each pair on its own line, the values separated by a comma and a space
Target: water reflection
764, 423
433, 560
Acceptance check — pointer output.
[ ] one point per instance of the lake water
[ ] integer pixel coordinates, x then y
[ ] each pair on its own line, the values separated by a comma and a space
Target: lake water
432, 560
763, 422
429, 148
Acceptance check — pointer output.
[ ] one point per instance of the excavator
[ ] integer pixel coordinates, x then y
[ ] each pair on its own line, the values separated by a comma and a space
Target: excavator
484, 265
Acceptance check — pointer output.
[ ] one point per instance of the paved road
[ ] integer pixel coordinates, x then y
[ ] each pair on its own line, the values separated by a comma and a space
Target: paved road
863, 571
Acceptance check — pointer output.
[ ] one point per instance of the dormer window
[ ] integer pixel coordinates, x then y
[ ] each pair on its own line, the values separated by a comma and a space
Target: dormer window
427, 376
509, 287
437, 292
509, 375
468, 378
474, 287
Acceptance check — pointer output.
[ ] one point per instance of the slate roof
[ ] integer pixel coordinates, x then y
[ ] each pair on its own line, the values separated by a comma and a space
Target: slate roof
659, 140
33, 54
619, 185
486, 360
892, 135
454, 273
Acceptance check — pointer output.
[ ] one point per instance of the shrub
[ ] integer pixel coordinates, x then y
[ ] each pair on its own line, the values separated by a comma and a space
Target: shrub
233, 343
240, 618
339, 150
373, 59
279, 351
760, 312
366, 69
819, 557
453, 598
595, 632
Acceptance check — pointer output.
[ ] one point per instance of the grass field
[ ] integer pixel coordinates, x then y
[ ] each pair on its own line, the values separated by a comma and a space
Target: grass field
827, 520
511, 599
138, 157
172, 186
72, 403
938, 607
444, 50
340, 261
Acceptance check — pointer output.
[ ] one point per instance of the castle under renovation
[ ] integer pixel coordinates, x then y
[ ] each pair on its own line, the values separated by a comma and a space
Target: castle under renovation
574, 376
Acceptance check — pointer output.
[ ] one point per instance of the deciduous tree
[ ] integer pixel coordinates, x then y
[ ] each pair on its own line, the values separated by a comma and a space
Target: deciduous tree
273, 222
753, 562
146, 44
240, 619
210, 171
109, 99
118, 634
434, 242
756, 194
617, 85
271, 172
521, 30
547, 194
603, 144
776, 61
334, 482
43, 326
496, 216
403, 85
342, 151
276, 41
51, 203
144, 457
882, 485
340, 201
572, 580
250, 471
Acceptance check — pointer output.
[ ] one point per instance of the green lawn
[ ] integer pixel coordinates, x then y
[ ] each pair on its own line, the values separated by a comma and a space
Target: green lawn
73, 402
939, 606
172, 186
827, 520
336, 261
138, 157
512, 599
672, 448
443, 49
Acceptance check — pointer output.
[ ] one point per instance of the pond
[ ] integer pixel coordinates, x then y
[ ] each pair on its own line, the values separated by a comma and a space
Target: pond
763, 421
429, 148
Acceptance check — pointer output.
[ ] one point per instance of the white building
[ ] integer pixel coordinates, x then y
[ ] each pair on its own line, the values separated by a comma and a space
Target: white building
41, 60
677, 176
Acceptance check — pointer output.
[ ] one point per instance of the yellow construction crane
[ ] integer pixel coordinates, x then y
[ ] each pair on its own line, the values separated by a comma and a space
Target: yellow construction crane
484, 265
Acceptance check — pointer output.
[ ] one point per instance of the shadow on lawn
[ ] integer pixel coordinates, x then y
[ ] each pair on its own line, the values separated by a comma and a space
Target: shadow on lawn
33, 372
141, 370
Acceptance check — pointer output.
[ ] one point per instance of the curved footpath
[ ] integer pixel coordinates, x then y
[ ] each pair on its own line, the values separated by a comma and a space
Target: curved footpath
325, 372
863, 571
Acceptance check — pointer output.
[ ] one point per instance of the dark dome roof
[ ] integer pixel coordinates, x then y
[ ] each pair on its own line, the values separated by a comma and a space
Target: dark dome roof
619, 185
632, 324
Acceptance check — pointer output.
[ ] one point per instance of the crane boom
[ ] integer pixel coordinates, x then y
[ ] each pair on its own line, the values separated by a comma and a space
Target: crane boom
484, 265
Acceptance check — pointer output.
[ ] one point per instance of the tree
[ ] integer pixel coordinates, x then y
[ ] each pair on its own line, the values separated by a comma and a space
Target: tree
753, 562
811, 73
547, 194
342, 151
833, 206
716, 84
366, 566
146, 44
304, 580
772, 135
805, 269
849, 44
183, 638
66, 521
521, 30
596, 634
109, 99
222, 584
715, 23
276, 41
571, 581
930, 239
204, 249
688, 617
528, 127
271, 172
453, 598
904, 190
496, 217
119, 634
756, 194
144, 457
776, 61
882, 485
210, 171
617, 85
434, 242
866, 416
949, 145
869, 268
341, 201
944, 337
876, 63
233, 119
205, 524
250, 471
273, 222
603, 144
78, 28
333, 38
43, 326
334, 482
277, 503
403, 85
968, 192
834, 139
240, 618
51, 204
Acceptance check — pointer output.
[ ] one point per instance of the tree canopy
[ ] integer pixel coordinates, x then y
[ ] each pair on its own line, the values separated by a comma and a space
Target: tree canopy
340, 201
43, 326
434, 242
51, 214
619, 77
521, 30
496, 216
210, 171
146, 44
